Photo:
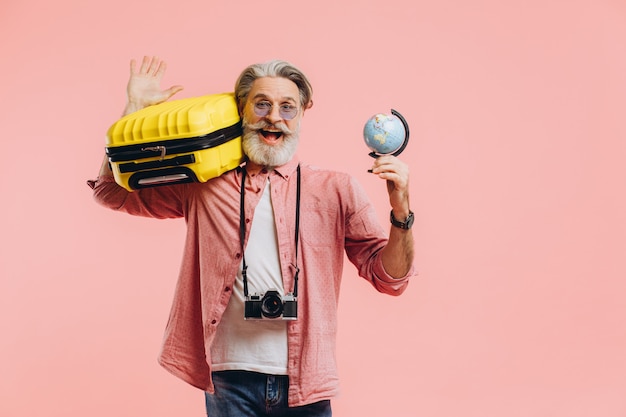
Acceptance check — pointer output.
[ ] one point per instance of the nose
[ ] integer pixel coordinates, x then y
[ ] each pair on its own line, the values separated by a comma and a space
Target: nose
274, 115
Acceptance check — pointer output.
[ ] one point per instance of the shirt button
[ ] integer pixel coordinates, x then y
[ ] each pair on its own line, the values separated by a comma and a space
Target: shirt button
237, 255
213, 321
226, 289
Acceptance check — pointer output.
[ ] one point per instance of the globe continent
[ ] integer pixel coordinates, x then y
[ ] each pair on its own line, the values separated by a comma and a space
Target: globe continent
384, 134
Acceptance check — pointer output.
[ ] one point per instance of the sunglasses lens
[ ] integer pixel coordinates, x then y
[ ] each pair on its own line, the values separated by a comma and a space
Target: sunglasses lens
263, 108
288, 113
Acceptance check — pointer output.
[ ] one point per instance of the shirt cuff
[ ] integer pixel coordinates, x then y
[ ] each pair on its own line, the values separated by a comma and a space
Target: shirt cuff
101, 179
388, 284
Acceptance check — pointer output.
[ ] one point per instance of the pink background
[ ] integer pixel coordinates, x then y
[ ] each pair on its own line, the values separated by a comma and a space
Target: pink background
517, 111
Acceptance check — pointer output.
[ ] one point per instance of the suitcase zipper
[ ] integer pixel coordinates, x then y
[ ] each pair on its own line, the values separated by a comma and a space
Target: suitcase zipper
127, 167
173, 146
161, 149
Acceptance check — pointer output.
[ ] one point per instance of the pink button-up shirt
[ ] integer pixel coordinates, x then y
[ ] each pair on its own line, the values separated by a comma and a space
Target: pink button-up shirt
335, 215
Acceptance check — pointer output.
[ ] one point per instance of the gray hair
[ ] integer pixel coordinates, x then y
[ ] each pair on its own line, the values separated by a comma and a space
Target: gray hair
275, 68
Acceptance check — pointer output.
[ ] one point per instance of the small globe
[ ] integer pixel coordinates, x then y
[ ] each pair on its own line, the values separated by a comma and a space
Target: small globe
384, 134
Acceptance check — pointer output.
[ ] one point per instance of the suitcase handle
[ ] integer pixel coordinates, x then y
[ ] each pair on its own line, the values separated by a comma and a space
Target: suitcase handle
161, 149
174, 175
172, 162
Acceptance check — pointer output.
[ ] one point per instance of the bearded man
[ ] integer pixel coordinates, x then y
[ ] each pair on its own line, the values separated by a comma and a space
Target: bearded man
241, 242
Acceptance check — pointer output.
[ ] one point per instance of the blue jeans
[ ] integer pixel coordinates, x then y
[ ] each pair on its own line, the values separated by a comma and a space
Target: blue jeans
251, 394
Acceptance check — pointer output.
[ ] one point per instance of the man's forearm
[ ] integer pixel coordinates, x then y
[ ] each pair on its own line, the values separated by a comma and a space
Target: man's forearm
397, 256
105, 168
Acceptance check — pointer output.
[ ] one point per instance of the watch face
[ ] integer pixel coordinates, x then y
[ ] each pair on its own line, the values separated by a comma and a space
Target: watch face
409, 220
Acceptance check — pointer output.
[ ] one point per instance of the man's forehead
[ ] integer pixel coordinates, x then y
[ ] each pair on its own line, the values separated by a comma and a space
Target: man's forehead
278, 88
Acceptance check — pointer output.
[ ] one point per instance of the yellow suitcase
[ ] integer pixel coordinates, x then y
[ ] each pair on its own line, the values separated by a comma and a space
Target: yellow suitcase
188, 140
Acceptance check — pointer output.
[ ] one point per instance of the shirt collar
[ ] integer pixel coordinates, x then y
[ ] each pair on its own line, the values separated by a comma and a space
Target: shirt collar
286, 170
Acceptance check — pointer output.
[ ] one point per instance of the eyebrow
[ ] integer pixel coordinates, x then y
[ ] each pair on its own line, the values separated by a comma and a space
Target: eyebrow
263, 96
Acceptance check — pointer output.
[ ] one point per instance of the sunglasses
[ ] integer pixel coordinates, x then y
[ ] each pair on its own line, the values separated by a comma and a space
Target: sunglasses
286, 111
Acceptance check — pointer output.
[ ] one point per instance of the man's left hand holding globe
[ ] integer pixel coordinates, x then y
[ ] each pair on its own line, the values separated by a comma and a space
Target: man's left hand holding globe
396, 173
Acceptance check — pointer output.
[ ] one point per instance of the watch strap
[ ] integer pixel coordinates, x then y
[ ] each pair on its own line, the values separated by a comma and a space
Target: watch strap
406, 224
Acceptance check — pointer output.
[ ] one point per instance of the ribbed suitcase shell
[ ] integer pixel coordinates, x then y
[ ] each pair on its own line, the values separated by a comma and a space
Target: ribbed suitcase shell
192, 139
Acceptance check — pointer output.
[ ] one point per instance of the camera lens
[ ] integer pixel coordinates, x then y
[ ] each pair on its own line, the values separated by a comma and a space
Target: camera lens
272, 305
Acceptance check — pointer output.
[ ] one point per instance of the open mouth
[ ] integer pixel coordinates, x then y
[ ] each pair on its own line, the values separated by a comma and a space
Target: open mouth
271, 135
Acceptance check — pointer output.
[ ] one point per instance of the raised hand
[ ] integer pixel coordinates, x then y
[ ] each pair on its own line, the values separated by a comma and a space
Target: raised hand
144, 86
398, 254
396, 173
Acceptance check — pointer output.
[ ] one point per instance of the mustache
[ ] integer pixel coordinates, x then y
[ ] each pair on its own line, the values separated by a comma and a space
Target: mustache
264, 125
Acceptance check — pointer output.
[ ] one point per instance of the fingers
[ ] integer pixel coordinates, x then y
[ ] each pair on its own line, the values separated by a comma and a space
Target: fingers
155, 64
392, 169
389, 163
151, 66
160, 69
173, 90
145, 64
396, 174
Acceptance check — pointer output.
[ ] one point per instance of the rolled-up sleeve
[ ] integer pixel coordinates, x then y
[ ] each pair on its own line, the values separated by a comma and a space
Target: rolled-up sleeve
365, 239
387, 284
162, 202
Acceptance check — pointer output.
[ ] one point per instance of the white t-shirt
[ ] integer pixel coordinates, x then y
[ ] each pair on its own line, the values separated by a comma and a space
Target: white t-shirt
254, 345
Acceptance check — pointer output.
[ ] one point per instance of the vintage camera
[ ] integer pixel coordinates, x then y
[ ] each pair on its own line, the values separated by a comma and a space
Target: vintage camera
270, 305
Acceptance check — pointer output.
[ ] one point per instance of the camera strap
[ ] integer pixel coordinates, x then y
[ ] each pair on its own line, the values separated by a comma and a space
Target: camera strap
242, 232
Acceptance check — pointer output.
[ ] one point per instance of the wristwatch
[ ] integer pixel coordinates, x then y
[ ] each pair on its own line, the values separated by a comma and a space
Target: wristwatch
406, 224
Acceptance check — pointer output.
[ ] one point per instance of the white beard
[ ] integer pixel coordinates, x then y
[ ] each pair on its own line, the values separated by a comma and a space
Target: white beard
269, 155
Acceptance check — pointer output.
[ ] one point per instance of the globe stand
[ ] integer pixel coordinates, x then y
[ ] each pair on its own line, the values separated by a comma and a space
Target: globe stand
406, 137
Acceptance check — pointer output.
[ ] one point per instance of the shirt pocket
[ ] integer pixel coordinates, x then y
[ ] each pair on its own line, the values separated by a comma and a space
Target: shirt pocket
320, 227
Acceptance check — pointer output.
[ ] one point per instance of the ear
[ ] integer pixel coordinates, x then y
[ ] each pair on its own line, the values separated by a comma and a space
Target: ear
309, 105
